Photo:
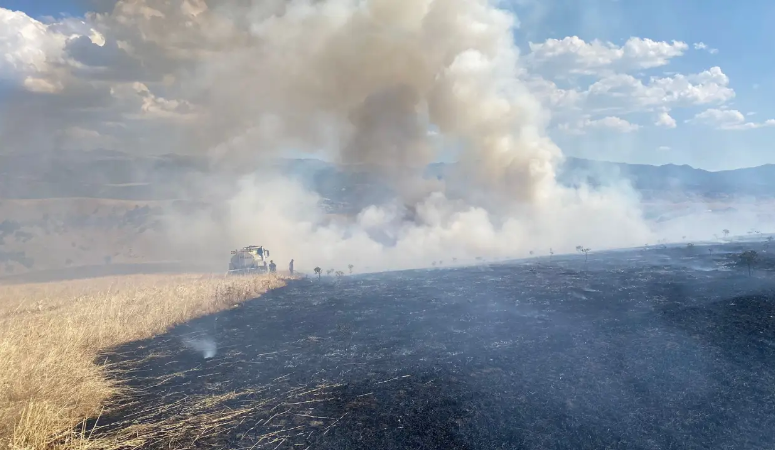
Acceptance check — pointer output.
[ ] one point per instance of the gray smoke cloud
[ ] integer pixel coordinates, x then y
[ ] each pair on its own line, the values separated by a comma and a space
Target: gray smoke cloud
361, 82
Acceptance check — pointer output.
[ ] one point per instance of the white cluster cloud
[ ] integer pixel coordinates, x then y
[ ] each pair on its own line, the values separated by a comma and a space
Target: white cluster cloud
624, 94
28, 48
35, 53
703, 46
26, 44
147, 105
573, 55
727, 119
629, 93
664, 119
94, 82
618, 85
608, 123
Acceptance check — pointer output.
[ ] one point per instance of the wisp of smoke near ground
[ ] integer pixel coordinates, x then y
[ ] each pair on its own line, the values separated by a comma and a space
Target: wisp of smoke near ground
380, 85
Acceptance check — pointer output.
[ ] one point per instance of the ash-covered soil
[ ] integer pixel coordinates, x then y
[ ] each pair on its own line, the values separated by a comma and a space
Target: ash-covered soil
659, 349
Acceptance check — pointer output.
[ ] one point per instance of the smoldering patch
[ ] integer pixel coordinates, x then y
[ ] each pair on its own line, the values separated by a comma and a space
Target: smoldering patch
204, 345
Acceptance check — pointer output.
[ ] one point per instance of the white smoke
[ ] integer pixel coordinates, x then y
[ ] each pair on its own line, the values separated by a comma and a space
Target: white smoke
365, 80
206, 346
283, 216
361, 81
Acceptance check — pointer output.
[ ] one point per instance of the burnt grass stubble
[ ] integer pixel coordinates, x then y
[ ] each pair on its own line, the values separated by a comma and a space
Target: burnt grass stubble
644, 349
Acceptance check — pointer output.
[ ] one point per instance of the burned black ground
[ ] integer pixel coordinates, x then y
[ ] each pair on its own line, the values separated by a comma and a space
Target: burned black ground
659, 349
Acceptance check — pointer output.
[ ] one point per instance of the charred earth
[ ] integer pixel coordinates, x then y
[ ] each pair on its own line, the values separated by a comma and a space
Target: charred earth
669, 348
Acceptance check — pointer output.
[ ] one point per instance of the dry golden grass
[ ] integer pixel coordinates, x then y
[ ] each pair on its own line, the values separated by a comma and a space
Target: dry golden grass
51, 334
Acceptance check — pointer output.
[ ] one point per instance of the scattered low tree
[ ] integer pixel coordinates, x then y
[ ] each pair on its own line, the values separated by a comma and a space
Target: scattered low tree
531, 252
690, 246
584, 250
768, 243
749, 257
454, 260
339, 274
318, 271
551, 253
710, 250
726, 233
329, 272
350, 266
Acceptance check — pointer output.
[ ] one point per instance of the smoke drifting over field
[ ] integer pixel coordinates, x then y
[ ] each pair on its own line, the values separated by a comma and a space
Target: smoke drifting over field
382, 85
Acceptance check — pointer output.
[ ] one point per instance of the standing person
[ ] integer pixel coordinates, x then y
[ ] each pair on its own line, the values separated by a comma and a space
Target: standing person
290, 267
272, 266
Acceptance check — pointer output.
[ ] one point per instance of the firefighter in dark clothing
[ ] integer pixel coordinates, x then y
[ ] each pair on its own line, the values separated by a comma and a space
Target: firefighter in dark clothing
272, 266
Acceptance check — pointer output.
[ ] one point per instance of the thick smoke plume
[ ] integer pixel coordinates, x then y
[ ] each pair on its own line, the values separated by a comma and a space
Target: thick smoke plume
365, 81
383, 86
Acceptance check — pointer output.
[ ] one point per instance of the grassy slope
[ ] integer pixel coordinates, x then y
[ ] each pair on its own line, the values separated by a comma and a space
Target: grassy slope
50, 334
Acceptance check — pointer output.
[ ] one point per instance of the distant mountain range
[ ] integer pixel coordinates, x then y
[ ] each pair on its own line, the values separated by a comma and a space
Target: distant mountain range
116, 175
660, 180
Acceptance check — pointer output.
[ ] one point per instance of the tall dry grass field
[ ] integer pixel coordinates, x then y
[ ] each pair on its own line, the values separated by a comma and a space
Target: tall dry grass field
51, 334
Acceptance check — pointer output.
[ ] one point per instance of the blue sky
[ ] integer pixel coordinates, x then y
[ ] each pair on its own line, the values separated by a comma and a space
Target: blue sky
741, 33
41, 8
